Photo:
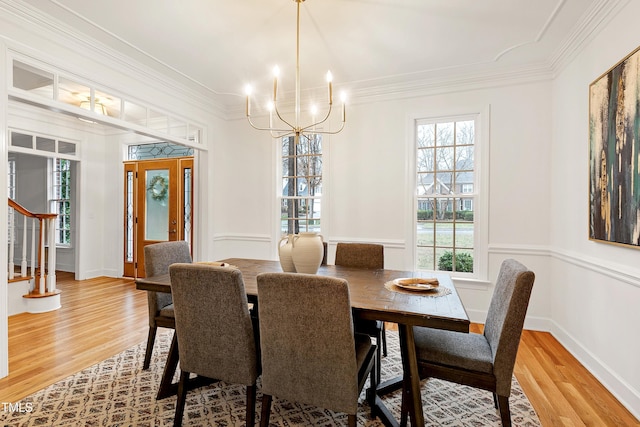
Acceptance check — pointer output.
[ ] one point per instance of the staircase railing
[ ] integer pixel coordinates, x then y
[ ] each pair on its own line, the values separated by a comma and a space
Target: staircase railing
44, 265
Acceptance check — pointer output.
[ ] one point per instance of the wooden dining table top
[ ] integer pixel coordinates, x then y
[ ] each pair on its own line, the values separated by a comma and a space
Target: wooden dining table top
370, 298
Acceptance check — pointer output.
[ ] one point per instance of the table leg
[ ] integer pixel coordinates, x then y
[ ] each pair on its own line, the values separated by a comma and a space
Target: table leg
411, 383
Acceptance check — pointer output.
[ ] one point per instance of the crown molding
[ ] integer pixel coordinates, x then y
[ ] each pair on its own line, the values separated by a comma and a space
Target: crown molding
432, 82
427, 84
590, 25
63, 34
476, 76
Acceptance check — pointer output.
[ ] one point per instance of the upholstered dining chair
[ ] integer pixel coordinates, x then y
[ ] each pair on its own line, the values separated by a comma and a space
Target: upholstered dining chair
360, 255
369, 256
310, 353
485, 360
157, 259
215, 331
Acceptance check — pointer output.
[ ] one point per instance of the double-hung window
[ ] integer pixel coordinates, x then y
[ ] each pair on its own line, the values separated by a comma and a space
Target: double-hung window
301, 200
445, 194
11, 192
60, 199
11, 178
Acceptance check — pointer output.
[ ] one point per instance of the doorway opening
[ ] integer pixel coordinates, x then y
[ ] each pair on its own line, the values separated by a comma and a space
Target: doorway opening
158, 201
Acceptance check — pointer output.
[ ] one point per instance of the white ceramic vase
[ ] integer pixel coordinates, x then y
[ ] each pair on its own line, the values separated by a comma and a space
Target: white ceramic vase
285, 253
308, 252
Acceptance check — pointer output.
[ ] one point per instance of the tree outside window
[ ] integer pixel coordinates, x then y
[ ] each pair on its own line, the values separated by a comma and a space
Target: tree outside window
301, 184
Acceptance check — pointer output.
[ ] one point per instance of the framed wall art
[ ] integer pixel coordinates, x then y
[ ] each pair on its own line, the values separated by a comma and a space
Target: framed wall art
614, 154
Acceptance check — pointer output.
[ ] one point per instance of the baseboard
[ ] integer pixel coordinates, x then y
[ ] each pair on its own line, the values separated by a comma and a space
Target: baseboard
623, 391
90, 274
111, 273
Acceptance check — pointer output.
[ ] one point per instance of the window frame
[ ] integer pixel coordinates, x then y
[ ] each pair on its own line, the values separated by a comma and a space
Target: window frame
481, 117
304, 198
11, 177
54, 203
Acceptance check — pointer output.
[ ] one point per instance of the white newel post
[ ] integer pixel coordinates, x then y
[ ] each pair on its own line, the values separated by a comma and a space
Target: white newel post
23, 264
43, 283
33, 253
51, 278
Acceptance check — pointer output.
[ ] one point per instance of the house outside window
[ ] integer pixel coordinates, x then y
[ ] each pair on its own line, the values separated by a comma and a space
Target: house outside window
445, 194
60, 199
301, 204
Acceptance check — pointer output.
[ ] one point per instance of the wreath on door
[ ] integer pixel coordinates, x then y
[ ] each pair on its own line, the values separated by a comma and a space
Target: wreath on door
158, 186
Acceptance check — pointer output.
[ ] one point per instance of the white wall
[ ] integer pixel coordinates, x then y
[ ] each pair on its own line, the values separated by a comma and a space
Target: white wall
595, 295
241, 192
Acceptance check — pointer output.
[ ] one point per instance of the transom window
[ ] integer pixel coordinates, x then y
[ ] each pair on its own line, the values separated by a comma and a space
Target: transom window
445, 194
300, 206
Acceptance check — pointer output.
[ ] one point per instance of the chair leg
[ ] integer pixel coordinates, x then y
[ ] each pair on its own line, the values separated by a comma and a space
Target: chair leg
378, 362
266, 410
505, 413
383, 334
251, 405
495, 400
373, 387
150, 340
352, 420
404, 406
182, 398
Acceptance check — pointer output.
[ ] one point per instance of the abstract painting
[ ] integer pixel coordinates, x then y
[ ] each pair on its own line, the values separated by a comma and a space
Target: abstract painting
614, 154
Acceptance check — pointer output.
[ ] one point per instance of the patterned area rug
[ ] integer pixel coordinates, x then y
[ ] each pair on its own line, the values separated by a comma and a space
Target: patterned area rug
117, 392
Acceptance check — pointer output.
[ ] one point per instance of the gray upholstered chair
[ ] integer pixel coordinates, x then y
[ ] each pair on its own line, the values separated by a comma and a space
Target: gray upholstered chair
485, 360
369, 256
360, 255
157, 259
215, 331
310, 353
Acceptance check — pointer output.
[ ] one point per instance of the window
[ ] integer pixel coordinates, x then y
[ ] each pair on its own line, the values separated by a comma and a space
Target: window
60, 199
445, 194
37, 83
158, 150
301, 184
11, 193
42, 145
11, 178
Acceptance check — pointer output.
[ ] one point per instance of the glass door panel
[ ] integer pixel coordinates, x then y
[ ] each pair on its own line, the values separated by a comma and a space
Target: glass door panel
156, 205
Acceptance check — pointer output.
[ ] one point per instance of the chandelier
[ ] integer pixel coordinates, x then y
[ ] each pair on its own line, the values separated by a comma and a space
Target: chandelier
286, 127
98, 107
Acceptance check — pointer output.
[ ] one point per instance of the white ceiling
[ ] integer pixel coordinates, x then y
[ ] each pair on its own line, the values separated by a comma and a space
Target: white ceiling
221, 45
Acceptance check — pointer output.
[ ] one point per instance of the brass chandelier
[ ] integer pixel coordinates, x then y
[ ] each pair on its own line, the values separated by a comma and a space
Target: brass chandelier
284, 127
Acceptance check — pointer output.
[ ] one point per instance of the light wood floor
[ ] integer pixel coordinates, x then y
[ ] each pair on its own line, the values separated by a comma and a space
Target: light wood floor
104, 316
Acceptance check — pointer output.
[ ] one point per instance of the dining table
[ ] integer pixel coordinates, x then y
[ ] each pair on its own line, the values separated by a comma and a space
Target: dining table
375, 295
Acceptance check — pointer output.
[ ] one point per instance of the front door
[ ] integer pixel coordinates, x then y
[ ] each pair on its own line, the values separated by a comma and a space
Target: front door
158, 201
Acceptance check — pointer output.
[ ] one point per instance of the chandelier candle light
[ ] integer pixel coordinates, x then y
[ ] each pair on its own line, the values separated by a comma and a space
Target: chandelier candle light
286, 128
